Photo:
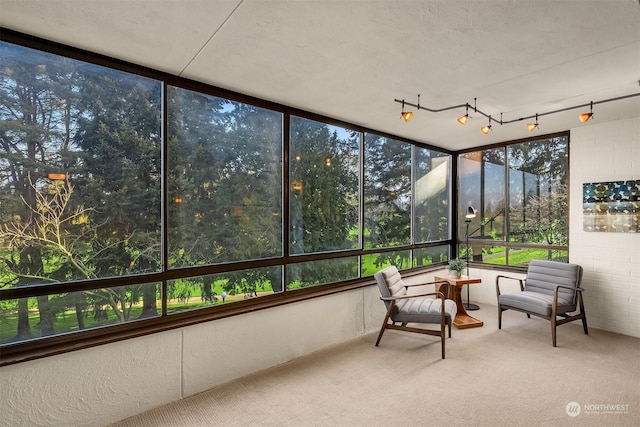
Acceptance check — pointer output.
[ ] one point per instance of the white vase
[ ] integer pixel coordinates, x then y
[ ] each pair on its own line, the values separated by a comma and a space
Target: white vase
454, 274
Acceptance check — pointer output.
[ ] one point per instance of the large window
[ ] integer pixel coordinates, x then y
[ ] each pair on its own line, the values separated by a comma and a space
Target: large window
325, 187
80, 190
520, 194
132, 202
224, 180
432, 175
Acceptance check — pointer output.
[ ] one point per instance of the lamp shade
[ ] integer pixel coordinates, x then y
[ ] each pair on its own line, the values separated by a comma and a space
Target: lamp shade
485, 129
463, 120
532, 126
407, 116
584, 117
471, 213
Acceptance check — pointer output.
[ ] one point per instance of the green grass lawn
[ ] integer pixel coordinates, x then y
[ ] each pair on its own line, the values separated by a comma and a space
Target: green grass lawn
66, 321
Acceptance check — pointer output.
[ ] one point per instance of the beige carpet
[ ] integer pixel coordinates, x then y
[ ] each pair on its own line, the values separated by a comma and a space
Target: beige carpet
491, 377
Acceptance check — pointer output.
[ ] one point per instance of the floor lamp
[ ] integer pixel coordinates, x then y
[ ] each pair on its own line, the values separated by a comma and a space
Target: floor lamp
471, 213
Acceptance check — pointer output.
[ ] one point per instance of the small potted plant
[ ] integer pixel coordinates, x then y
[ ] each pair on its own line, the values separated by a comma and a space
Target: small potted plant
456, 266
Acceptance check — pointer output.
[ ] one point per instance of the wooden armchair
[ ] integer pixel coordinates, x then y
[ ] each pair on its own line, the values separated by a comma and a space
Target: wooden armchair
551, 290
404, 308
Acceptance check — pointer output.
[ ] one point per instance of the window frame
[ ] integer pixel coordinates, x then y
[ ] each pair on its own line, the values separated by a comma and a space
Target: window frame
505, 241
56, 344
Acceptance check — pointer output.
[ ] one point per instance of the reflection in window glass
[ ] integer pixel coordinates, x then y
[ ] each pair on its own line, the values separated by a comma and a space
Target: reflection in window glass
375, 262
215, 289
482, 186
325, 177
38, 317
431, 190
522, 256
313, 273
535, 198
387, 192
427, 256
537, 192
490, 254
225, 180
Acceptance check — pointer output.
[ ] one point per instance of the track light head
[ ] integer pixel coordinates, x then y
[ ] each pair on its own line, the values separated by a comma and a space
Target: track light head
486, 129
463, 120
533, 126
406, 115
585, 117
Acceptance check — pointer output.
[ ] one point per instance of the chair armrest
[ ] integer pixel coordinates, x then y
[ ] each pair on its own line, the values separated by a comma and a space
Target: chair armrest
510, 278
555, 295
570, 288
439, 294
426, 283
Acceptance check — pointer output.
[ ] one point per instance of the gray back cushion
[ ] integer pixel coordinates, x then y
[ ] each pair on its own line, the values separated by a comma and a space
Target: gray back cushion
543, 276
390, 283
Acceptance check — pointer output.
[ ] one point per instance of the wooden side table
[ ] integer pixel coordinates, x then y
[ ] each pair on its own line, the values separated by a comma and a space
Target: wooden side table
462, 320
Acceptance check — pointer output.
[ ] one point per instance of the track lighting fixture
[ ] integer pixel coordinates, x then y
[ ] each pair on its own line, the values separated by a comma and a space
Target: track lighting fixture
406, 115
533, 126
463, 120
584, 117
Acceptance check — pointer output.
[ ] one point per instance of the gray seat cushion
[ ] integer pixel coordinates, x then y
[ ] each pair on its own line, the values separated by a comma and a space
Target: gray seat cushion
424, 310
535, 302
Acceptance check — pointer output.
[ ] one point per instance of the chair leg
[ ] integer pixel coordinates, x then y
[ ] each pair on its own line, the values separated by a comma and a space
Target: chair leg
584, 324
442, 327
499, 317
384, 326
584, 316
554, 317
384, 323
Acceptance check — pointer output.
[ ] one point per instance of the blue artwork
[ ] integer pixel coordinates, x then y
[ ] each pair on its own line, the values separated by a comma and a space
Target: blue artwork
611, 206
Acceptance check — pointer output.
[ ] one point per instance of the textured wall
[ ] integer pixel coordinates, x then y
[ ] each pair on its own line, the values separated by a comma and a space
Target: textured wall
217, 352
100, 385
92, 387
606, 152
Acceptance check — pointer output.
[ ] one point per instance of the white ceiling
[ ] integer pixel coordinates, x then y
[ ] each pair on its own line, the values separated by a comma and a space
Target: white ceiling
350, 59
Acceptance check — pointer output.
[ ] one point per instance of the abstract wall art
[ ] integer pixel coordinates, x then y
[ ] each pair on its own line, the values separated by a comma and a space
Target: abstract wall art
611, 206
